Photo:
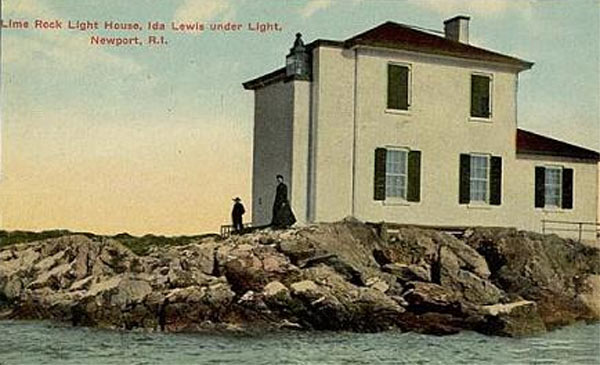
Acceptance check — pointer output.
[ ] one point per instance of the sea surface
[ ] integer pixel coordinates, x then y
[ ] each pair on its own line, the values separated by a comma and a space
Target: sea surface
51, 343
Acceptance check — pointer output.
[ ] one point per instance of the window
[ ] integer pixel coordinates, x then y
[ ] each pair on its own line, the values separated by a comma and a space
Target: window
481, 101
553, 187
397, 174
480, 179
398, 87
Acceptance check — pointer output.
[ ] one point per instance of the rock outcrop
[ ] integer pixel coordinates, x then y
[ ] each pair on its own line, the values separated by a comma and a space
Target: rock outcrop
338, 276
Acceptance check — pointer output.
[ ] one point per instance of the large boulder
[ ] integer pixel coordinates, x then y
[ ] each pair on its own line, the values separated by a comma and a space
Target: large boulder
589, 293
467, 258
58, 277
193, 257
51, 263
454, 274
189, 308
44, 303
17, 264
276, 293
410, 272
411, 245
514, 319
250, 267
330, 302
545, 269
429, 297
347, 246
119, 291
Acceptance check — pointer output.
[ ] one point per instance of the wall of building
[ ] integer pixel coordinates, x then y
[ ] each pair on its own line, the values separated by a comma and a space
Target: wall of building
521, 194
317, 133
439, 125
300, 155
272, 151
332, 126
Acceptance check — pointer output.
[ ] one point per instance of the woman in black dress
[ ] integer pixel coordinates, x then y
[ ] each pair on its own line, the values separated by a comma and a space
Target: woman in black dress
283, 216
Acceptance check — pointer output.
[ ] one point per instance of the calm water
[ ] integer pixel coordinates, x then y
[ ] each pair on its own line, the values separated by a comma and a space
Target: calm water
48, 343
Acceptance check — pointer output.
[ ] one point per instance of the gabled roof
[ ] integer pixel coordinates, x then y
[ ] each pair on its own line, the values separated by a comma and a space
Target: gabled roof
400, 36
532, 143
393, 35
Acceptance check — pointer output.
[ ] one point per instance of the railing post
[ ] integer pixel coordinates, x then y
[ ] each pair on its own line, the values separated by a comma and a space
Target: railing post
580, 225
382, 231
543, 226
225, 231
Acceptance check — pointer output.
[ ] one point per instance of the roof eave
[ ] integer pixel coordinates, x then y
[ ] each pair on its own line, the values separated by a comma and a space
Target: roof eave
521, 65
564, 149
265, 79
590, 157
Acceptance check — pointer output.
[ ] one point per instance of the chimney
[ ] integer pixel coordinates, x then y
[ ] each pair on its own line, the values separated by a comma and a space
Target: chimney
457, 29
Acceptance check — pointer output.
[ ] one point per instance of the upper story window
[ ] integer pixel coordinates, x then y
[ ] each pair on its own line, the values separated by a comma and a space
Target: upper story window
553, 187
397, 174
398, 93
480, 179
481, 96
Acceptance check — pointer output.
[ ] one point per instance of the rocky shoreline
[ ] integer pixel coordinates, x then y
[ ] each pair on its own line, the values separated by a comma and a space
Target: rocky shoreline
338, 276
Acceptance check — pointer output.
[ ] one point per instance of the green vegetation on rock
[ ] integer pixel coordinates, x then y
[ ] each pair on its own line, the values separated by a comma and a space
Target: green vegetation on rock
139, 245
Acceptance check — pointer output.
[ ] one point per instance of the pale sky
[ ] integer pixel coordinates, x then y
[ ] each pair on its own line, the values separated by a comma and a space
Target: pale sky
159, 139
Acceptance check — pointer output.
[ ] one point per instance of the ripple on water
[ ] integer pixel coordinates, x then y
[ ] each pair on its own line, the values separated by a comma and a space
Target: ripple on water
47, 343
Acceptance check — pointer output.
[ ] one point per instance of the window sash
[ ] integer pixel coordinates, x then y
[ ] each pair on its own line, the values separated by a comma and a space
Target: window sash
398, 87
479, 178
396, 173
553, 187
481, 96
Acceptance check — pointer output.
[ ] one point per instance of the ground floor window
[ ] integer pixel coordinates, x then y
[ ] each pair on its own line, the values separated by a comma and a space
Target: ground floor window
480, 179
397, 174
553, 187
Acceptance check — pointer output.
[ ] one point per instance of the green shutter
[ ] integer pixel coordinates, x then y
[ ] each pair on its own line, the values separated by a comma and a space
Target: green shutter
464, 193
567, 188
413, 193
480, 96
379, 181
495, 180
540, 190
397, 87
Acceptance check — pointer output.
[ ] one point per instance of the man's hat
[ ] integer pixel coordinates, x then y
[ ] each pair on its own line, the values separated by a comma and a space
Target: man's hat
237, 199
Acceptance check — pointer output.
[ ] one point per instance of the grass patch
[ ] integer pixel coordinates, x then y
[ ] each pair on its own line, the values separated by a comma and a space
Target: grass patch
142, 245
14, 237
139, 245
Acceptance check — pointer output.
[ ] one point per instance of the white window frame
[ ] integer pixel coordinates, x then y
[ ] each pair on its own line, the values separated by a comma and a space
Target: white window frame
491, 93
409, 93
487, 179
404, 173
560, 187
